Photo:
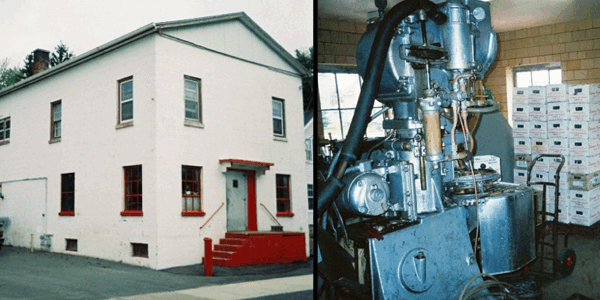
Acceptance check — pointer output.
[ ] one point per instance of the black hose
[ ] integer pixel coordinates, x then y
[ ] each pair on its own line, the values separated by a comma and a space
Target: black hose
370, 89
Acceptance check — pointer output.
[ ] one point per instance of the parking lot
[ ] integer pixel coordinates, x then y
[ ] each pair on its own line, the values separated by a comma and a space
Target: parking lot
44, 275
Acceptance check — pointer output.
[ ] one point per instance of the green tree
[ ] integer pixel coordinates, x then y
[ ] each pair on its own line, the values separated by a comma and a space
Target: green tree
8, 75
306, 59
27, 69
61, 54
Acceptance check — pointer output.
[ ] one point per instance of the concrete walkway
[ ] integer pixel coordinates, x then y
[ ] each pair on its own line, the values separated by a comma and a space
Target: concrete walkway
285, 287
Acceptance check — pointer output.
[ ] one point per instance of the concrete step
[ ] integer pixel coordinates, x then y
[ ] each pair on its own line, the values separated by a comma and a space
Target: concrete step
223, 254
233, 248
232, 241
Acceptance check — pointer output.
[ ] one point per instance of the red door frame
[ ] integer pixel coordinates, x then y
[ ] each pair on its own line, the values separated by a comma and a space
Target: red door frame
251, 191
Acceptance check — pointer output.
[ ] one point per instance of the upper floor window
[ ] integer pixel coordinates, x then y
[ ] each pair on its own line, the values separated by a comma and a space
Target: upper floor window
284, 205
278, 117
308, 149
311, 202
193, 98
67, 195
126, 99
191, 190
133, 191
339, 88
56, 120
4, 130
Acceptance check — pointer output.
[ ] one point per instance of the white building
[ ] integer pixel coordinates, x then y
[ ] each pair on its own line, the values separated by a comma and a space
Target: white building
308, 143
138, 149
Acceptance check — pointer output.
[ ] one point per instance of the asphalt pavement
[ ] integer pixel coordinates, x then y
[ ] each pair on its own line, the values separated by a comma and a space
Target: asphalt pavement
45, 275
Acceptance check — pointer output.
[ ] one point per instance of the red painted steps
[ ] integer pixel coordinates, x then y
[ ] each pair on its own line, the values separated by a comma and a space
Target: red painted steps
254, 248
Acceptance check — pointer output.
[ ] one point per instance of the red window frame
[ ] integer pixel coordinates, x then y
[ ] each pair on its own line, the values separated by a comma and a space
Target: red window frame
132, 191
67, 195
284, 203
191, 188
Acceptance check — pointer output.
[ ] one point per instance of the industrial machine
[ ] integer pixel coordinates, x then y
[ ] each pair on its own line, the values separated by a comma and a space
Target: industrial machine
409, 216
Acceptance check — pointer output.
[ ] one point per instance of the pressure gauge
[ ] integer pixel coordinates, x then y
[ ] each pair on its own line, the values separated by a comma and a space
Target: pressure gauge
479, 14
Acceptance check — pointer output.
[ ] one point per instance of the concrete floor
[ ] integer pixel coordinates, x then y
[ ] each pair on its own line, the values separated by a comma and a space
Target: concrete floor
585, 279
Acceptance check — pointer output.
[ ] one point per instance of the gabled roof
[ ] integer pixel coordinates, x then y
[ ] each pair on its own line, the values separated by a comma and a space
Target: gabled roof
156, 27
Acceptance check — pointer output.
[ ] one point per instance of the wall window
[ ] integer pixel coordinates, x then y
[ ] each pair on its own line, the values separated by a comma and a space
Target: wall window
67, 195
284, 206
193, 98
55, 122
133, 191
537, 75
308, 149
4, 130
126, 99
310, 197
339, 88
71, 245
278, 118
191, 190
139, 250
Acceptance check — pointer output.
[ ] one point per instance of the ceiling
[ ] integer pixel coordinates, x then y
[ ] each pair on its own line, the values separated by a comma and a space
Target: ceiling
507, 15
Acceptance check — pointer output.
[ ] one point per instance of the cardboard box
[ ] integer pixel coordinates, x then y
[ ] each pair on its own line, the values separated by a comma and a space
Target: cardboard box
558, 128
584, 215
538, 129
585, 198
557, 93
537, 94
584, 182
555, 162
564, 204
584, 93
582, 147
522, 161
520, 176
584, 164
558, 146
522, 145
539, 146
584, 111
521, 129
581, 129
520, 112
520, 95
538, 112
539, 176
558, 111
542, 164
490, 162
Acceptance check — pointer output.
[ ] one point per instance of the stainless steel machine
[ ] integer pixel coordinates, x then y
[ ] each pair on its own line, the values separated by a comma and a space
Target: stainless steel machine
409, 216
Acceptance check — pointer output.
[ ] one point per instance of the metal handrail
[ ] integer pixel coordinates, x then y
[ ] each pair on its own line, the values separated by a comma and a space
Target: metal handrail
223, 203
272, 217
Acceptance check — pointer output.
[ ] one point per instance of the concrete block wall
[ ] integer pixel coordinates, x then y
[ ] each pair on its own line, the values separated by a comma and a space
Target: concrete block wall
337, 41
576, 45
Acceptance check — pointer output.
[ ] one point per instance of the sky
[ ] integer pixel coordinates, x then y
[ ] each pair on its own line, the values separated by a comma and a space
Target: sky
26, 25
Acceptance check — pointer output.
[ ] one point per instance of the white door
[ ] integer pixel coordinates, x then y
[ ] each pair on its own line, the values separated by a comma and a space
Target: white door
237, 201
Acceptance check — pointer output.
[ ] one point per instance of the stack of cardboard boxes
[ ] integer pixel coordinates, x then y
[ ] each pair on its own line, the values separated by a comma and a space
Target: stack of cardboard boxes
561, 119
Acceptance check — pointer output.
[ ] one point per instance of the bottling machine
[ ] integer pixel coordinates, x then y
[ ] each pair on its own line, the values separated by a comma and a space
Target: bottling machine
416, 219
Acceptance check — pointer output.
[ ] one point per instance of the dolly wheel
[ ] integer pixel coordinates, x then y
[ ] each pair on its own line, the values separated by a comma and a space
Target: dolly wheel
567, 259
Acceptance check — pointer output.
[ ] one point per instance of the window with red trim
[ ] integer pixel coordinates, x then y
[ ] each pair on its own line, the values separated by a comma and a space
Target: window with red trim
133, 190
191, 191
284, 206
67, 194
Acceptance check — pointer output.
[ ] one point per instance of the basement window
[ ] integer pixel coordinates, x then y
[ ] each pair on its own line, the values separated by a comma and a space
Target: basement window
139, 250
537, 75
72, 245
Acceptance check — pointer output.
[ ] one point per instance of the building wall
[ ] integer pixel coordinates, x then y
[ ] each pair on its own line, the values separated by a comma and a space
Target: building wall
337, 41
576, 45
92, 148
237, 123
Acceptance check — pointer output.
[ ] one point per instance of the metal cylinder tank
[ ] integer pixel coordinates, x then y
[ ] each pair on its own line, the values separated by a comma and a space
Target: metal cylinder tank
456, 34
